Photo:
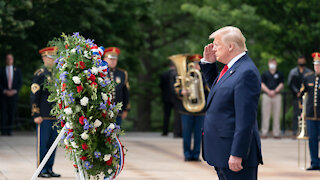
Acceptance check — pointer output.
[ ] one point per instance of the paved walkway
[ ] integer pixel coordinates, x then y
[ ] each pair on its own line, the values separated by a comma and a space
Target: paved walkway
151, 157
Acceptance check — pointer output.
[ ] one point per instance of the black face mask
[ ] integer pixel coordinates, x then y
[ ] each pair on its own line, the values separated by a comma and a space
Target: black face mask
301, 65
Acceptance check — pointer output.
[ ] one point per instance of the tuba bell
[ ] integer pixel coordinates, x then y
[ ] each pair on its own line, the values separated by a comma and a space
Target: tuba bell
190, 79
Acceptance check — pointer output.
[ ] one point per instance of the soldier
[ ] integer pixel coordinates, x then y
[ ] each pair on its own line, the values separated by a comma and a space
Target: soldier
46, 132
311, 86
192, 122
120, 76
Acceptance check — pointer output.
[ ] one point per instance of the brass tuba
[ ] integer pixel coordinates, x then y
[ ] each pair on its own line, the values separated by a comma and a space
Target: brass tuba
190, 79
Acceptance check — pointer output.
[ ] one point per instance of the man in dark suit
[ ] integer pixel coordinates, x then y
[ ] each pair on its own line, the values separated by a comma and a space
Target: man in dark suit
10, 84
231, 138
170, 101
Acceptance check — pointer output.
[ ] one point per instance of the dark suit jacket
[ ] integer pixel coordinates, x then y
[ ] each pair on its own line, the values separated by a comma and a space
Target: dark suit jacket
167, 80
16, 83
230, 126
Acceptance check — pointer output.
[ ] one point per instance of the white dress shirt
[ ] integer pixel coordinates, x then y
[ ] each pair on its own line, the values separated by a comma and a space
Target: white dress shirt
11, 73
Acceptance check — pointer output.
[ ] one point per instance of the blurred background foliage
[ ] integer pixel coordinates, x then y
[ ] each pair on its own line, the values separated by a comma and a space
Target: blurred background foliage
148, 31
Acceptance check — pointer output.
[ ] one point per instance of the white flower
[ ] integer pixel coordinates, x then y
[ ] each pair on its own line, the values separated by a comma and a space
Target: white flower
68, 111
104, 96
110, 171
73, 50
97, 123
74, 145
76, 79
84, 101
94, 70
111, 126
66, 141
69, 125
111, 114
86, 54
107, 157
84, 136
110, 97
100, 80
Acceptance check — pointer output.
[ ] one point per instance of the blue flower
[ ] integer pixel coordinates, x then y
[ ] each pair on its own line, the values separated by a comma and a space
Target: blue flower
87, 165
76, 34
108, 132
90, 42
71, 97
97, 154
78, 48
86, 124
63, 76
103, 106
69, 135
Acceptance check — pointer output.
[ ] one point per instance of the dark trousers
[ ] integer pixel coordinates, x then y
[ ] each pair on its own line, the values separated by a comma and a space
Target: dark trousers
313, 128
250, 173
191, 125
177, 127
8, 108
296, 113
46, 135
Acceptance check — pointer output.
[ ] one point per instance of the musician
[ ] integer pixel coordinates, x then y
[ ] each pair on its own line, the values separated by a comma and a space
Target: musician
120, 76
311, 85
192, 122
40, 111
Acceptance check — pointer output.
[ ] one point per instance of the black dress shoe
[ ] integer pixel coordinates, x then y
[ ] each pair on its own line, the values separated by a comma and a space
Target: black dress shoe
312, 168
44, 175
195, 159
52, 174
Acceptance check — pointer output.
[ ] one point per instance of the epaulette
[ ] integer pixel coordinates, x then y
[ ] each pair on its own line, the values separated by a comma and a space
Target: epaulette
126, 77
308, 74
39, 71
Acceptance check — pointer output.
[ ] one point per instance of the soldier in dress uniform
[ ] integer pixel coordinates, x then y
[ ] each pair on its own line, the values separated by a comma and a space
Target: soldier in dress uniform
312, 87
120, 76
40, 111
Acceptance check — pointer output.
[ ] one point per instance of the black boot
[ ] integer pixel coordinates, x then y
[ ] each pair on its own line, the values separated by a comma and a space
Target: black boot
52, 174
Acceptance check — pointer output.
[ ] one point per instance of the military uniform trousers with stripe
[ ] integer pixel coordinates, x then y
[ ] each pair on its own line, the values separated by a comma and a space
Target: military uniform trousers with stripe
46, 135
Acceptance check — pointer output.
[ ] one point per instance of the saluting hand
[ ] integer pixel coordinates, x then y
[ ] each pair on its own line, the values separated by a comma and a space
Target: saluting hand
235, 163
38, 120
209, 53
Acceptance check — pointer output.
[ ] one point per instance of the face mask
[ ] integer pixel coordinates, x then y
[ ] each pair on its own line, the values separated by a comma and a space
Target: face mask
302, 65
272, 66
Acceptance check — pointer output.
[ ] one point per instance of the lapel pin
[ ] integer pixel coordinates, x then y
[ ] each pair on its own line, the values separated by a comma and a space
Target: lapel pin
231, 72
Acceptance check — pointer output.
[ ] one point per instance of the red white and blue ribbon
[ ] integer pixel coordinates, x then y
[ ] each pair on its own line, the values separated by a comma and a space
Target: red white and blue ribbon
121, 161
97, 51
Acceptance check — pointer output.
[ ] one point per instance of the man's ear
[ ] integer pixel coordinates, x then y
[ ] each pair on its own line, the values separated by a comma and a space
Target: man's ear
231, 47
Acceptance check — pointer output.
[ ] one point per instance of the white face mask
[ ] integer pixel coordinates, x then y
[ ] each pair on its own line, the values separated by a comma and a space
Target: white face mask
272, 66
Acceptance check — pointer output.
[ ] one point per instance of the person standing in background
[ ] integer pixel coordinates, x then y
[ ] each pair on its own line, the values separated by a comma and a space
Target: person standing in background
120, 76
294, 82
170, 101
10, 84
272, 84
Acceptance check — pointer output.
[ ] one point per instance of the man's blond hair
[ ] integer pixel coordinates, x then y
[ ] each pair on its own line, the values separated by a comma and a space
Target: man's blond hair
230, 34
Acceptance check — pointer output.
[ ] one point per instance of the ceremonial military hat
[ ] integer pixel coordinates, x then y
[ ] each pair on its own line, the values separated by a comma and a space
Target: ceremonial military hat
112, 52
49, 51
316, 58
195, 57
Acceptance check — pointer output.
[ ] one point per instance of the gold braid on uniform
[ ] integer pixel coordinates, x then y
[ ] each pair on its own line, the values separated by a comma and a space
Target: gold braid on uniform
35, 109
315, 96
114, 89
35, 88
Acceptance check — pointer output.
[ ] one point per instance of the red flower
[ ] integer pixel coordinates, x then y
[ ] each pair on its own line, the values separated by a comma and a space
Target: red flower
102, 75
63, 87
66, 46
104, 114
84, 146
70, 130
83, 158
92, 77
108, 101
105, 70
75, 166
62, 123
60, 105
66, 146
109, 162
94, 84
79, 88
81, 65
108, 140
81, 120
